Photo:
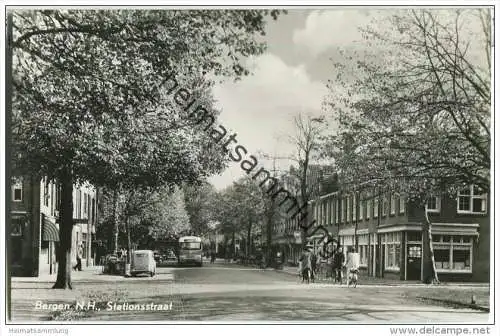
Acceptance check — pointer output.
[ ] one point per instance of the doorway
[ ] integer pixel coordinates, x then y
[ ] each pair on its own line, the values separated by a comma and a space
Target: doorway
414, 262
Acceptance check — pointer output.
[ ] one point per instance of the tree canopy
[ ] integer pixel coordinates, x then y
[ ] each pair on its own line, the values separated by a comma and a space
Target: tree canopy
417, 113
89, 90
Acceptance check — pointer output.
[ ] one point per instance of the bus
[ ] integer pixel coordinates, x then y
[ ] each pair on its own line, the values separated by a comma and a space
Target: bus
190, 250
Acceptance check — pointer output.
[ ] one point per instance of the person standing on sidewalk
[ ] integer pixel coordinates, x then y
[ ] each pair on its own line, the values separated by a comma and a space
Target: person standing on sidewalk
338, 263
79, 254
305, 260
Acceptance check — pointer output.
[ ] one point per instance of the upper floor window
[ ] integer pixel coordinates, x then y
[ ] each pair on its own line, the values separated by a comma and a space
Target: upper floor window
361, 208
434, 204
368, 208
17, 191
384, 206
393, 204
354, 206
337, 211
85, 204
471, 200
375, 208
401, 204
46, 194
349, 208
343, 210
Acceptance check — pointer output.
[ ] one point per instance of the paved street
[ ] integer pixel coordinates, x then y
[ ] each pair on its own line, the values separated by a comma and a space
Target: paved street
228, 292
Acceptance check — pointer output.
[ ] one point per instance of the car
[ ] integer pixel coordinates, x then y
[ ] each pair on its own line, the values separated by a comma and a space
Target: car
169, 258
143, 261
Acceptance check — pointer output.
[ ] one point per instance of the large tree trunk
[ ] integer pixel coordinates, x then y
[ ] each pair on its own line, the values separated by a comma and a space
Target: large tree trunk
249, 236
65, 231
115, 220
232, 245
430, 276
129, 244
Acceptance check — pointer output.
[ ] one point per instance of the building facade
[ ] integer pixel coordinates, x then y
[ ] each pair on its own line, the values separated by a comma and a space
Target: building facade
389, 232
34, 229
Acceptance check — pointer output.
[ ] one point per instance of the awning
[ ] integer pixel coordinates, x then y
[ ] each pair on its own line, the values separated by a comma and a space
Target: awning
49, 230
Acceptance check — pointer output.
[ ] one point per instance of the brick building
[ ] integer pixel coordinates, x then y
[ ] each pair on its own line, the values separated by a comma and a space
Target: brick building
387, 231
34, 225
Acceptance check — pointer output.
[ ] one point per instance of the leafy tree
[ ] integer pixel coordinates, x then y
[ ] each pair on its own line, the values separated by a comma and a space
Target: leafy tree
169, 215
91, 96
417, 118
199, 201
308, 132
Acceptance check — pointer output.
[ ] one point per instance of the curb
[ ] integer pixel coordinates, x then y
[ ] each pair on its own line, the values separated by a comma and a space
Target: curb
403, 284
457, 303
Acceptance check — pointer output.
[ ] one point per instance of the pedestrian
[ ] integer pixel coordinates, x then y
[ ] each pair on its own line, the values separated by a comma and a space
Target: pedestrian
305, 259
314, 265
79, 254
338, 263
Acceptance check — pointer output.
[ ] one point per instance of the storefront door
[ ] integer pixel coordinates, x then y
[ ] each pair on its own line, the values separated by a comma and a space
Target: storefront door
414, 261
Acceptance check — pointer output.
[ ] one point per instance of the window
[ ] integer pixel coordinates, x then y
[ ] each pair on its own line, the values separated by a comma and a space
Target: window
392, 247
344, 209
17, 191
471, 200
354, 206
361, 209
414, 236
85, 203
349, 208
337, 211
434, 204
393, 204
375, 208
46, 192
78, 204
17, 226
368, 208
401, 204
384, 206
453, 253
363, 255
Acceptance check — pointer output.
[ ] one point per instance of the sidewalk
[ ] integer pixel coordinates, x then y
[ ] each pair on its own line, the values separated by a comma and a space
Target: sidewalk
368, 280
88, 274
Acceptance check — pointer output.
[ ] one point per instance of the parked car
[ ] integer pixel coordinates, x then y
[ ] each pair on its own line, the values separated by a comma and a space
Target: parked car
169, 258
112, 264
143, 261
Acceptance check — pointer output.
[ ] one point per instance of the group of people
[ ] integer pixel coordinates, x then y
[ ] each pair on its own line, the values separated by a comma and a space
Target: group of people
337, 263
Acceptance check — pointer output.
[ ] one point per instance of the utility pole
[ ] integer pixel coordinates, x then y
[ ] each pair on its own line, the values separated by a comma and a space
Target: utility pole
271, 211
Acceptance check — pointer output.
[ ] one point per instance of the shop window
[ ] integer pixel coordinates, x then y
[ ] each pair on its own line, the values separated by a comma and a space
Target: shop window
454, 254
461, 259
414, 236
437, 238
442, 258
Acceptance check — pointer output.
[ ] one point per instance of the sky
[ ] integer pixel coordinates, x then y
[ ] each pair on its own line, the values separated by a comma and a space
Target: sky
289, 78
